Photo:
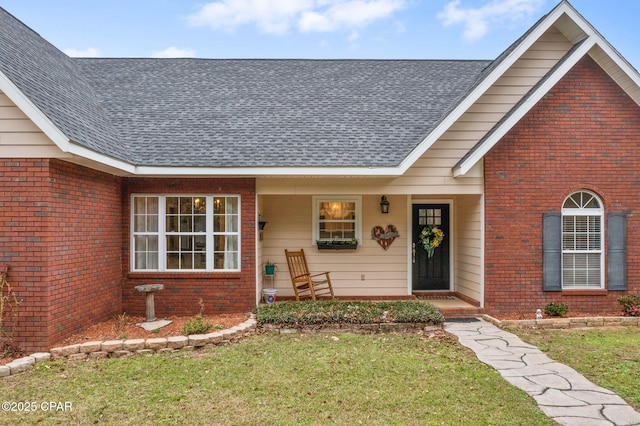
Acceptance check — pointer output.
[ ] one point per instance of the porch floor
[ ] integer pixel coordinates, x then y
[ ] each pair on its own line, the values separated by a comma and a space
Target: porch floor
453, 307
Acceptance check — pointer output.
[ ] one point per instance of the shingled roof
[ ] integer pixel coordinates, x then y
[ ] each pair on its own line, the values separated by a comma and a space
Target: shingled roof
236, 113
55, 85
275, 112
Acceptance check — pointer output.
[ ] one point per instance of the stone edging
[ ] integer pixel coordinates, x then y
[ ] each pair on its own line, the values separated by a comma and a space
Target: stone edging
560, 323
123, 348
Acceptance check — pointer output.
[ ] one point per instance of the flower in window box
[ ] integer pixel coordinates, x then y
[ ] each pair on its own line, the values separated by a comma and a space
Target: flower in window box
337, 244
430, 238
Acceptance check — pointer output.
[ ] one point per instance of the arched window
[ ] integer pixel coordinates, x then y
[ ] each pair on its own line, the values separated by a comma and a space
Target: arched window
582, 241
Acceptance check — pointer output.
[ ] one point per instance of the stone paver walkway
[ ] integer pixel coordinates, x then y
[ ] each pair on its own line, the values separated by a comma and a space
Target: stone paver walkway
562, 393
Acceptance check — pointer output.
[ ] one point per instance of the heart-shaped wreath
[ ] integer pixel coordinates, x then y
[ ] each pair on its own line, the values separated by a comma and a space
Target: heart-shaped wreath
384, 237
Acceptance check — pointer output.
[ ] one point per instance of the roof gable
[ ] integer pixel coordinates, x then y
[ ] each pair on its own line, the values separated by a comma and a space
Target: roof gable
586, 41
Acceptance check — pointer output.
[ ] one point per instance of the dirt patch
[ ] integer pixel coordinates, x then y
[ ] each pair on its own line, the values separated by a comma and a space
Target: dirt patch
124, 327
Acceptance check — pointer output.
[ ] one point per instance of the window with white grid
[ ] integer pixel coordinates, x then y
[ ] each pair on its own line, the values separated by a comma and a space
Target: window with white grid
582, 241
336, 218
185, 233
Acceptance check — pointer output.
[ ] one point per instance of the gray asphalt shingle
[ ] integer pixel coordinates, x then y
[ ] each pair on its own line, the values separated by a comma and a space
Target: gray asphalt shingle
237, 113
52, 82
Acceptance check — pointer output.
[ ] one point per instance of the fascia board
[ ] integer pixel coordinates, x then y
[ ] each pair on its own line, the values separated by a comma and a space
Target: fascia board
621, 62
487, 83
522, 109
268, 171
34, 113
604, 44
94, 156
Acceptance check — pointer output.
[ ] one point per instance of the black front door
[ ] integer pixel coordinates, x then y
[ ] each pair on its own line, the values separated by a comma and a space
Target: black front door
430, 273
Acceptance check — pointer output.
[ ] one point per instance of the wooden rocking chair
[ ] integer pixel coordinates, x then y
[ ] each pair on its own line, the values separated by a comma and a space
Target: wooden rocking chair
305, 285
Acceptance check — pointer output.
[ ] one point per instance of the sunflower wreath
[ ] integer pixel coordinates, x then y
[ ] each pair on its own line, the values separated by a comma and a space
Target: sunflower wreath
430, 238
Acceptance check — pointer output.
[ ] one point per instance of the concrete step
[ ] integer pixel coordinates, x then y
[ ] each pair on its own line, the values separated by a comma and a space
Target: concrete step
461, 312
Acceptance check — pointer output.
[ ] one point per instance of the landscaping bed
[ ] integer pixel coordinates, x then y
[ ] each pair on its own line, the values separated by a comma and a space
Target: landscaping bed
120, 328
566, 322
332, 315
345, 312
123, 327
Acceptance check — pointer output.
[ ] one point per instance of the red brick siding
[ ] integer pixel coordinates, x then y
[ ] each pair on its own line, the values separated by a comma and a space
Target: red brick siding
60, 228
220, 292
584, 134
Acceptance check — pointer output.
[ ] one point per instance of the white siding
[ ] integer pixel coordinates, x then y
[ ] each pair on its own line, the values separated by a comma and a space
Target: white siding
468, 246
289, 226
432, 173
20, 137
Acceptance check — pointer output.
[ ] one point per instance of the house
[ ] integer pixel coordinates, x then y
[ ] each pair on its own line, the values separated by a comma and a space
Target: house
120, 172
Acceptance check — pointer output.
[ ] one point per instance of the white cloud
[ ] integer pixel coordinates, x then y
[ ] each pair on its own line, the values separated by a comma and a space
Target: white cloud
280, 16
270, 16
87, 53
314, 21
174, 52
477, 21
348, 15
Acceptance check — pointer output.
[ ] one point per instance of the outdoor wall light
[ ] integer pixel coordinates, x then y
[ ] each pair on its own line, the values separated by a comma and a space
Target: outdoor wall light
384, 205
261, 225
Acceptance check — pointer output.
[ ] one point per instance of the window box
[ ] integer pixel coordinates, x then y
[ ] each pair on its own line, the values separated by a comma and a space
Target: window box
337, 245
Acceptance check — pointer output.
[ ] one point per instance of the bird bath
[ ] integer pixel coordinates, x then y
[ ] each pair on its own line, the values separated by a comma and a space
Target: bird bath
150, 289
150, 323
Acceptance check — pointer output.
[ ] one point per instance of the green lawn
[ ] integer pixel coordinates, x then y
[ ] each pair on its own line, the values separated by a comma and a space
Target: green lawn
609, 357
274, 379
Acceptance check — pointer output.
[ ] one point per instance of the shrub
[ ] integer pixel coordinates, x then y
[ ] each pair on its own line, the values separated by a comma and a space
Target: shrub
630, 305
352, 312
9, 307
556, 309
197, 324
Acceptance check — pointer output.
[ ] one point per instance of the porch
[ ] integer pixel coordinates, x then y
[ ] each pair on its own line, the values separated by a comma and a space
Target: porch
374, 269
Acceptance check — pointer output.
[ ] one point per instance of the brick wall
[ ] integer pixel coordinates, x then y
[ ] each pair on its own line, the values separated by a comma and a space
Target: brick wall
60, 228
64, 233
220, 291
585, 134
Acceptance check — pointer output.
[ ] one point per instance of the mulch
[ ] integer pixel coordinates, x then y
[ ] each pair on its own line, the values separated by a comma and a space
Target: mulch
124, 327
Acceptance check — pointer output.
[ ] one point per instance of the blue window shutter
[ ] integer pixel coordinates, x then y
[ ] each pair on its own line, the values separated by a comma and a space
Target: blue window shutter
617, 251
552, 251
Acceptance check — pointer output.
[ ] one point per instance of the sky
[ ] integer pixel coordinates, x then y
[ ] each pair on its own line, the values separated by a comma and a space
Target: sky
310, 29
